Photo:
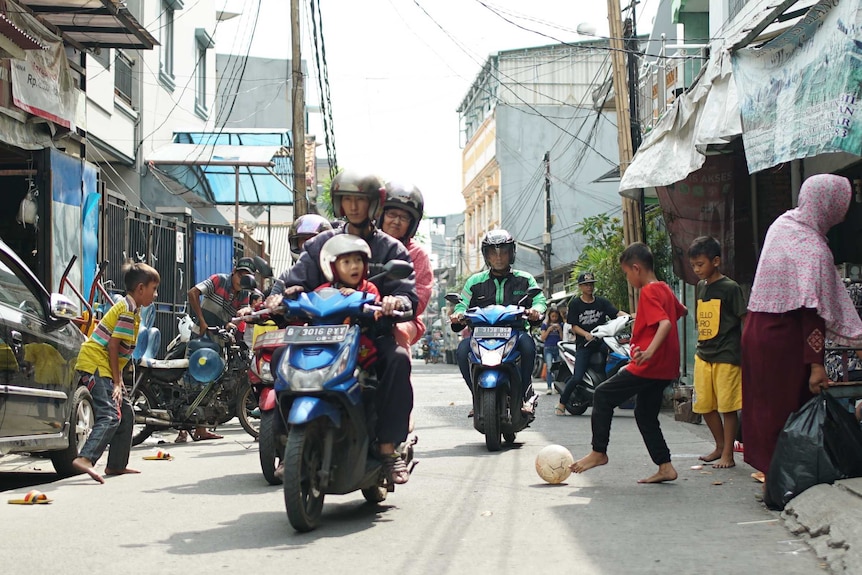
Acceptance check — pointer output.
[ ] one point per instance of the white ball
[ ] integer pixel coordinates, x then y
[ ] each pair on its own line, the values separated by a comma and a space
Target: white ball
552, 463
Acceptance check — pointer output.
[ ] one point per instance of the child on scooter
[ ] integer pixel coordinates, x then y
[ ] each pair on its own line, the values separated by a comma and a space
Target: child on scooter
344, 262
655, 362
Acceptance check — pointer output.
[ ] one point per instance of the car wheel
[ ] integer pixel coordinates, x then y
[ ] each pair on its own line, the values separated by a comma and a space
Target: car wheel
80, 426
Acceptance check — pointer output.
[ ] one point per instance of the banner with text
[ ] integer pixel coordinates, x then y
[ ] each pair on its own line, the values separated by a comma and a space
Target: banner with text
798, 93
42, 85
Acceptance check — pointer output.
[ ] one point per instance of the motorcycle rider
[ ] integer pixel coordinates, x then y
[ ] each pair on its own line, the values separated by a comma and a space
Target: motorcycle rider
402, 212
585, 313
359, 198
304, 228
502, 285
223, 298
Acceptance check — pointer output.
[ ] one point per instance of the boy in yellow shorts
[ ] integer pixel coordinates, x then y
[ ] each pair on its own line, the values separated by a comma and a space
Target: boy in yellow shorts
717, 374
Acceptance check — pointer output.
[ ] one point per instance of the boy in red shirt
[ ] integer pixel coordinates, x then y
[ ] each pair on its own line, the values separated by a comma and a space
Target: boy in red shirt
655, 362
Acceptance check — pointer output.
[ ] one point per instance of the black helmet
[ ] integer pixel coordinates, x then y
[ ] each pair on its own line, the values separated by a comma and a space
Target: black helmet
305, 227
498, 239
405, 197
357, 184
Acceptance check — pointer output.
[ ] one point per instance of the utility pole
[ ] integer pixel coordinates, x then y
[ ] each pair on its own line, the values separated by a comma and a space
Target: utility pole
546, 236
300, 202
631, 208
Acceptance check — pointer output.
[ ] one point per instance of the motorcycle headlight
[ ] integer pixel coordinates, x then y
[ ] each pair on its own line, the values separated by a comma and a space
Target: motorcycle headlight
265, 370
492, 357
510, 345
313, 380
474, 347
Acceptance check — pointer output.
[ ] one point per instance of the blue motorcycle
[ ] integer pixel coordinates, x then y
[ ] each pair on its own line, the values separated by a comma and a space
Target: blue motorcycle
327, 403
494, 368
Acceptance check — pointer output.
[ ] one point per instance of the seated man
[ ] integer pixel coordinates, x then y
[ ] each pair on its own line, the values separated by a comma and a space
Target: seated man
500, 285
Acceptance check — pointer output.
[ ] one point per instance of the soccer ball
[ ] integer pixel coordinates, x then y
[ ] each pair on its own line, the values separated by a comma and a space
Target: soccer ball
552, 463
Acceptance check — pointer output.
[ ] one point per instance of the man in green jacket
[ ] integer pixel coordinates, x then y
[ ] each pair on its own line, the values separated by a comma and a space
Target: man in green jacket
500, 285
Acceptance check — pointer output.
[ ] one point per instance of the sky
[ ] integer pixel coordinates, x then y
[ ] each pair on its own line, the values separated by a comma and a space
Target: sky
398, 69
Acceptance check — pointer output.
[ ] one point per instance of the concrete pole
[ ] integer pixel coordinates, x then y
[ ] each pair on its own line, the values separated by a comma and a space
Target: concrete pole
300, 203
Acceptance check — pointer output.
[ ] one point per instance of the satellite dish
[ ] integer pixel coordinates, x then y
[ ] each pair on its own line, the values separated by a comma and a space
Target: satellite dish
586, 29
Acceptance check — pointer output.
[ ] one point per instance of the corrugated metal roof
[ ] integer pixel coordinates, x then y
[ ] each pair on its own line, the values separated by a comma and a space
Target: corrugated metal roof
279, 250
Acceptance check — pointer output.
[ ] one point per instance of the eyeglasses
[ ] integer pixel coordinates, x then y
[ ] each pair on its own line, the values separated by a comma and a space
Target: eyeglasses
397, 217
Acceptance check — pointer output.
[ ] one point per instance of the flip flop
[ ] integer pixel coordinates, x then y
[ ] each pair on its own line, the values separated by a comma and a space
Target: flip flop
759, 476
33, 497
160, 455
206, 437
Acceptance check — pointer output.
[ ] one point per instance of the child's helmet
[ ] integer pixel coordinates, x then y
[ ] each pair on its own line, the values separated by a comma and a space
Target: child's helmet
303, 228
498, 239
405, 197
340, 245
358, 184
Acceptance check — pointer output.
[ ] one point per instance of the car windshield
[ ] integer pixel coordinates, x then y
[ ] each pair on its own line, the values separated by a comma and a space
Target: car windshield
15, 292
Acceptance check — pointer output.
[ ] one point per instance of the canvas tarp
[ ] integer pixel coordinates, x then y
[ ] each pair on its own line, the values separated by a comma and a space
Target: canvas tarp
706, 114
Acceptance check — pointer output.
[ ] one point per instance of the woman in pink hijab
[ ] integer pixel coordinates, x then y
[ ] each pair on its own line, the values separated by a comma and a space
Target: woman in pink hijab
797, 300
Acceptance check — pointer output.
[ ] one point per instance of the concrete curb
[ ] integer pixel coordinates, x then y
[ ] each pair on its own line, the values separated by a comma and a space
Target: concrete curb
829, 519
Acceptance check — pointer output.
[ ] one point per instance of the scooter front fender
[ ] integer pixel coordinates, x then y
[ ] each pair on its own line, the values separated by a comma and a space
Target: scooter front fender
267, 399
491, 378
306, 409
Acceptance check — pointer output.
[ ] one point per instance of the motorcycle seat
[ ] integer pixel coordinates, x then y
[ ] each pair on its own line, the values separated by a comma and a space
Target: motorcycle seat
148, 344
164, 363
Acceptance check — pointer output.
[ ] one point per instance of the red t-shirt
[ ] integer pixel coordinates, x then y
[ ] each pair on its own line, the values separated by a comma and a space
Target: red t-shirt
656, 303
367, 349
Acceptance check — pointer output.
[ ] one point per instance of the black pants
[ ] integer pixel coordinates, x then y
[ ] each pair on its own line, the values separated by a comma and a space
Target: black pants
395, 392
527, 348
583, 355
616, 391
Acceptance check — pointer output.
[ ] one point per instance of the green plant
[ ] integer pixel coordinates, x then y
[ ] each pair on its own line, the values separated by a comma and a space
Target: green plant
601, 256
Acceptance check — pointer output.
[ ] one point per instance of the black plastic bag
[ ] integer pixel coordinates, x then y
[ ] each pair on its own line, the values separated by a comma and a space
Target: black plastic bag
820, 443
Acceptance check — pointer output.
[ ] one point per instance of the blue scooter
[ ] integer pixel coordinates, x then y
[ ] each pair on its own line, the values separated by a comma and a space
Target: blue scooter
327, 402
494, 368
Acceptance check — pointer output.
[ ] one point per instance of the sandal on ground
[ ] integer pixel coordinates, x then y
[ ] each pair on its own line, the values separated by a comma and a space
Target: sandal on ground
469, 415
182, 437
206, 436
394, 468
559, 410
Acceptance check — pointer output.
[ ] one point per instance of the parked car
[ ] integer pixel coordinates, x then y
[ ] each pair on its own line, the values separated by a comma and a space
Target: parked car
42, 408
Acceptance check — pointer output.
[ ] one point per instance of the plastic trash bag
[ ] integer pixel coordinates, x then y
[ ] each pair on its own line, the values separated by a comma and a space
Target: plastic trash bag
820, 443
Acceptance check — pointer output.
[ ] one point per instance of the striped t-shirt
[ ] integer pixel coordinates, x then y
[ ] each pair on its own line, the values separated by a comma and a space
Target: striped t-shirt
219, 298
121, 322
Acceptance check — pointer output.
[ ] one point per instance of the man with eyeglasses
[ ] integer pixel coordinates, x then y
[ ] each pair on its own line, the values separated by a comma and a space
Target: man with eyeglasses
402, 212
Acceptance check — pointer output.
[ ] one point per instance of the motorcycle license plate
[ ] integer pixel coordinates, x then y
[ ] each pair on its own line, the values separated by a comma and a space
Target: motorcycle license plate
315, 334
493, 332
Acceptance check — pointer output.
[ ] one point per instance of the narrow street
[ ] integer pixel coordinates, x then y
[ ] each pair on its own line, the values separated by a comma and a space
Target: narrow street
464, 511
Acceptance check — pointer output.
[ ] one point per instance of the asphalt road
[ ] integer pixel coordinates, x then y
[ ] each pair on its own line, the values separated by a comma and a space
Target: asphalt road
464, 510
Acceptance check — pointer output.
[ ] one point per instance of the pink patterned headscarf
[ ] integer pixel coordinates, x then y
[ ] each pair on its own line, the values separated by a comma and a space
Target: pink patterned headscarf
796, 268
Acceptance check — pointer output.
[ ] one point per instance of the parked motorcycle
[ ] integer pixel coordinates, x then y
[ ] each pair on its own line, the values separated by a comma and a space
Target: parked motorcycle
205, 388
327, 403
494, 366
610, 345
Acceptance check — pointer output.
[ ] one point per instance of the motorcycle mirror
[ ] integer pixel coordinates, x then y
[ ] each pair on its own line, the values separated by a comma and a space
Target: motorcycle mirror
528, 297
393, 269
453, 298
263, 267
247, 282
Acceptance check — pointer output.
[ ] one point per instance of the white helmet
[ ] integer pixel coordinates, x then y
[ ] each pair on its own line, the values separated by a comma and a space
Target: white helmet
340, 245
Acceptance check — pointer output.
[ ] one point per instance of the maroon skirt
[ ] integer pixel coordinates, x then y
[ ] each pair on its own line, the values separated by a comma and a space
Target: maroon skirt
777, 350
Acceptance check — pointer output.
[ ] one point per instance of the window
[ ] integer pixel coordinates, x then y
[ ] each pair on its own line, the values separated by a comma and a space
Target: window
203, 42
123, 77
166, 54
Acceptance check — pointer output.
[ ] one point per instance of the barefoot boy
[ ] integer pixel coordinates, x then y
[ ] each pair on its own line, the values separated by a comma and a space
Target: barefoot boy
100, 364
655, 362
717, 374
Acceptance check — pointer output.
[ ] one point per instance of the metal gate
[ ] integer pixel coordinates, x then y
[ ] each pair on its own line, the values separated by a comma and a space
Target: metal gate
130, 233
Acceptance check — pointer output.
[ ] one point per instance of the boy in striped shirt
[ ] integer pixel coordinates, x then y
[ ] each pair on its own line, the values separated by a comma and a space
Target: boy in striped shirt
100, 364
